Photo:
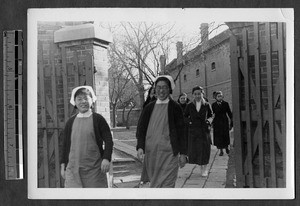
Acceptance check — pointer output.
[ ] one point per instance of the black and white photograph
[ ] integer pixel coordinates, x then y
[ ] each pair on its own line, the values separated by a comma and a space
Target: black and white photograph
196, 103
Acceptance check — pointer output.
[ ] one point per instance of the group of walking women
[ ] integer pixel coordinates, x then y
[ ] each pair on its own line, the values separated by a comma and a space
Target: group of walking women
171, 134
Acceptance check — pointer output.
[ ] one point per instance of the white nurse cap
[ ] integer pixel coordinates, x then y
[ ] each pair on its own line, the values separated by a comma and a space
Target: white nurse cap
72, 100
169, 78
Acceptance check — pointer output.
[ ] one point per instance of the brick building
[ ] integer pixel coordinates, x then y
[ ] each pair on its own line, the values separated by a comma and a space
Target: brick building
69, 54
207, 65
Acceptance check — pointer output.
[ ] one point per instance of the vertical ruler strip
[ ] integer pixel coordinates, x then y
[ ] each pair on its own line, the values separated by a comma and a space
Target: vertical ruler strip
12, 87
20, 100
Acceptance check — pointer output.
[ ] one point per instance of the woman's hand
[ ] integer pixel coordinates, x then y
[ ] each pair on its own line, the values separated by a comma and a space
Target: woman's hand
62, 171
140, 154
105, 164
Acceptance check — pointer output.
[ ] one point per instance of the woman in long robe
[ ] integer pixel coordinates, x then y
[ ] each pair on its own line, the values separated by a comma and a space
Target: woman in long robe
144, 176
84, 162
200, 116
221, 124
183, 101
160, 136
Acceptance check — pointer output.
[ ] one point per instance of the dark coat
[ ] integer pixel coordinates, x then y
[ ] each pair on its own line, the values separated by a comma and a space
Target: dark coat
198, 133
102, 134
186, 121
148, 100
221, 124
176, 127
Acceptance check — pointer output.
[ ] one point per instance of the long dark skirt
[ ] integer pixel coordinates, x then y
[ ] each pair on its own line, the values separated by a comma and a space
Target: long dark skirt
198, 146
221, 134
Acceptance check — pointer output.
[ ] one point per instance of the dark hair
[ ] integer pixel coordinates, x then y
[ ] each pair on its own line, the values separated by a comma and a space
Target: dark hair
214, 94
217, 92
197, 88
165, 79
183, 94
149, 91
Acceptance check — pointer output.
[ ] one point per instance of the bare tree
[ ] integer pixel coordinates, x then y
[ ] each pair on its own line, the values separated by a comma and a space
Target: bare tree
118, 80
128, 102
138, 47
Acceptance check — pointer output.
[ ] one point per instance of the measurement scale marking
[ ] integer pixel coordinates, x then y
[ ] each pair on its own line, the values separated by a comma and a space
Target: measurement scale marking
12, 87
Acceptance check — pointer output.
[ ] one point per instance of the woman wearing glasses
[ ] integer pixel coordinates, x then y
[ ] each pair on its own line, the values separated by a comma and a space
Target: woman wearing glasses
160, 136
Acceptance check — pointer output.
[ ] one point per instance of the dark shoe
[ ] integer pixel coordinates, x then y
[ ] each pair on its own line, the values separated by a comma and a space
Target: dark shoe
221, 153
227, 150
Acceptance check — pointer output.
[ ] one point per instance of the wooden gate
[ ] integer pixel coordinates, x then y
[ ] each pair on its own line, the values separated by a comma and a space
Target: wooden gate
259, 100
58, 74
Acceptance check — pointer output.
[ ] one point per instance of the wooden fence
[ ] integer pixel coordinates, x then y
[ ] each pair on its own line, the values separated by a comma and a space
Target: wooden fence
56, 79
259, 107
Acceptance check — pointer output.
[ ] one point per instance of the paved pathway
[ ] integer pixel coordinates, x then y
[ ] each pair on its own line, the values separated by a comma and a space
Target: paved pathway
189, 176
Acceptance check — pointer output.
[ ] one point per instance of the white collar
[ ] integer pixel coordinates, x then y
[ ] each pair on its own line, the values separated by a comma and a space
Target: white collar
86, 114
166, 101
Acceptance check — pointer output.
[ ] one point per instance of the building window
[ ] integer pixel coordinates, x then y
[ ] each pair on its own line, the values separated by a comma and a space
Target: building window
184, 78
197, 72
213, 66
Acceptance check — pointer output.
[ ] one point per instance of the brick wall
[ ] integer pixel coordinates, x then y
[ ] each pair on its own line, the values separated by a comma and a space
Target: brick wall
210, 80
101, 81
88, 55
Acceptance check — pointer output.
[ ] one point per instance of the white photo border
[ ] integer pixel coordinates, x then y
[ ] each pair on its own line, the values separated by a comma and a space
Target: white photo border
143, 14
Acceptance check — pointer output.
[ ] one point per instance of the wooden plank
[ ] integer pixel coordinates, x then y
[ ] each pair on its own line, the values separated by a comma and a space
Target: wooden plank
50, 125
235, 76
55, 116
282, 80
259, 134
263, 46
247, 105
251, 82
65, 83
49, 108
43, 112
270, 107
265, 114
